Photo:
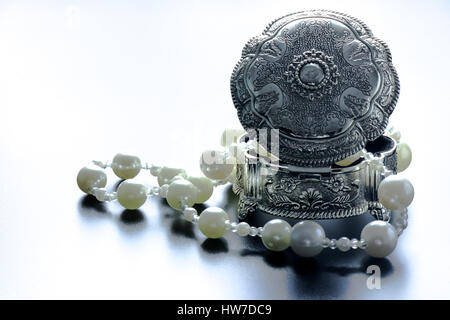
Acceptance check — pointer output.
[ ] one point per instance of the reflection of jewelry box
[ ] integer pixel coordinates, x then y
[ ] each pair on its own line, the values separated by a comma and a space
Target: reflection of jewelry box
323, 88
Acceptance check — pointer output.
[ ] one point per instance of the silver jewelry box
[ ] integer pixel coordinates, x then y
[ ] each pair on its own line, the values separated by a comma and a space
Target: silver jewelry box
321, 86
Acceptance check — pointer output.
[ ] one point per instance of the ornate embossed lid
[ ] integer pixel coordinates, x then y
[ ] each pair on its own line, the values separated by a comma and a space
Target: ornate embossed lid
322, 79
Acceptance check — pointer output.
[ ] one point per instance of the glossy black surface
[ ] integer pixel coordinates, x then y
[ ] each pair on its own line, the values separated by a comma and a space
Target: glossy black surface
87, 79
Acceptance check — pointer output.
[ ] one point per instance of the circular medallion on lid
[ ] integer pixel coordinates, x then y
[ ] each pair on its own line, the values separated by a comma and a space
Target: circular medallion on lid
322, 80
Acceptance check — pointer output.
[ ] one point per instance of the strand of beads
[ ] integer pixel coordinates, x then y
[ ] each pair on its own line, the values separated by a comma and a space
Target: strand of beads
306, 238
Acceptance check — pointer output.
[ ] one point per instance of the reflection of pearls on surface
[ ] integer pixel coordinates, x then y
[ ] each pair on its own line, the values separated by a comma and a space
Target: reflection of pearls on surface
380, 237
395, 193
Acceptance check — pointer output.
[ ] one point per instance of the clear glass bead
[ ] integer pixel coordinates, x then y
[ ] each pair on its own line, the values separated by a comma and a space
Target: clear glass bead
253, 231
233, 227
333, 244
99, 193
343, 244
354, 243
155, 191
260, 231
195, 219
362, 244
326, 243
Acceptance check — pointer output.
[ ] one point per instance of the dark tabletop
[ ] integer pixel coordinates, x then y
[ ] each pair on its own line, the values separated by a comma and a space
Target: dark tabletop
83, 80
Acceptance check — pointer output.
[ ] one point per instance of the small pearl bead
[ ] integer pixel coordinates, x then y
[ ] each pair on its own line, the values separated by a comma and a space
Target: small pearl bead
243, 229
126, 166
354, 243
349, 160
380, 238
181, 191
131, 194
404, 156
307, 238
91, 177
205, 188
216, 164
230, 136
395, 193
212, 222
166, 175
163, 190
344, 244
276, 235
189, 213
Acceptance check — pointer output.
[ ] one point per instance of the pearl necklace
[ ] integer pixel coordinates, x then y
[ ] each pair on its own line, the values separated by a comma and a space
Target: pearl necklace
306, 238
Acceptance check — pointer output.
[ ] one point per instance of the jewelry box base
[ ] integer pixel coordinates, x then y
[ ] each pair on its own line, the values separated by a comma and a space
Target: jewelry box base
286, 190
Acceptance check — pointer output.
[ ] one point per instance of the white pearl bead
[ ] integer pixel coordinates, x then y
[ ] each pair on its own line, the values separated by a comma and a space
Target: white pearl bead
189, 213
349, 160
394, 134
276, 235
307, 238
216, 164
131, 194
212, 222
344, 244
181, 191
230, 136
243, 229
380, 237
91, 177
163, 190
404, 156
395, 193
126, 166
205, 188
166, 175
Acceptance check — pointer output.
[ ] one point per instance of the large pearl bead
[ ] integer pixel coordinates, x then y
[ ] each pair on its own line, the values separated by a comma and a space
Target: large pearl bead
131, 194
91, 177
380, 238
181, 191
205, 188
307, 238
276, 235
395, 193
230, 136
166, 174
212, 222
404, 156
126, 166
216, 164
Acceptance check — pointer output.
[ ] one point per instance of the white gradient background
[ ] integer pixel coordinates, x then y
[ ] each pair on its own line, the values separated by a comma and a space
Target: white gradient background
86, 79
